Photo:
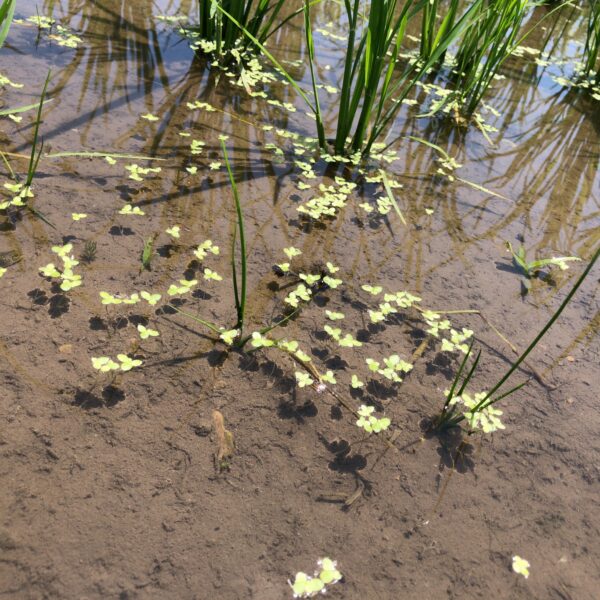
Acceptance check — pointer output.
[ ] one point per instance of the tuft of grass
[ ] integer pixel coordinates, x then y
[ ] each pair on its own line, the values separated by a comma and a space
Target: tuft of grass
430, 35
88, 254
489, 39
486, 44
372, 91
226, 34
530, 268
36, 154
147, 253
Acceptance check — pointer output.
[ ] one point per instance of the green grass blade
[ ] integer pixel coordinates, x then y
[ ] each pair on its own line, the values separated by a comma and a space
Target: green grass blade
7, 11
311, 59
21, 109
211, 326
32, 159
100, 155
241, 297
390, 195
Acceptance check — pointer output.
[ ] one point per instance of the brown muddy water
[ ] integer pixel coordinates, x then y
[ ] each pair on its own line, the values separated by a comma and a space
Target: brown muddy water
110, 487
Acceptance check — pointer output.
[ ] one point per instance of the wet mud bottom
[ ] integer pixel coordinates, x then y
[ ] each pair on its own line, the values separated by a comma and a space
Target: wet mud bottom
128, 485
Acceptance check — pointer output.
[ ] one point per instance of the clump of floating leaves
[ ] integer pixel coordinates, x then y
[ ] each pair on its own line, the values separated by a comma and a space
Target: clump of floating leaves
327, 574
69, 279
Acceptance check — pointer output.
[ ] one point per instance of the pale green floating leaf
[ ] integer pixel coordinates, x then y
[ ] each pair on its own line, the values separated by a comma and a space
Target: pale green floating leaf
349, 342
332, 282
334, 316
209, 274
174, 231
107, 298
150, 298
329, 572
374, 290
303, 379
291, 252
104, 364
329, 377
50, 271
146, 332
128, 363
62, 250
131, 210
520, 566
229, 336
372, 364
356, 383
309, 278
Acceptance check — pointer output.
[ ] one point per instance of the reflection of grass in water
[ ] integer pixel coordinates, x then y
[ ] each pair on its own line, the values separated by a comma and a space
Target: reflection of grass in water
108, 71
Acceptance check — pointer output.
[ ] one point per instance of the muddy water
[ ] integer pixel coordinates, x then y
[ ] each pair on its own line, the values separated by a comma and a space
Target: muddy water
543, 170
543, 164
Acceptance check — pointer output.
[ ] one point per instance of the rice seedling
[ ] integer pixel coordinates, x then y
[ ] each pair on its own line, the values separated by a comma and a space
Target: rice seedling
430, 36
480, 413
36, 154
7, 11
490, 37
371, 95
239, 271
219, 35
592, 41
531, 268
239, 287
371, 92
486, 44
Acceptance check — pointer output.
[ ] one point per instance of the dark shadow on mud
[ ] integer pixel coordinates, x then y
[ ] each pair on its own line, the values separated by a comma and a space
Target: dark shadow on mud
344, 461
109, 397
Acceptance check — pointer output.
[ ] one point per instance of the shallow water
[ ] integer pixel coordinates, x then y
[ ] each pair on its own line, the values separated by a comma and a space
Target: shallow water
542, 168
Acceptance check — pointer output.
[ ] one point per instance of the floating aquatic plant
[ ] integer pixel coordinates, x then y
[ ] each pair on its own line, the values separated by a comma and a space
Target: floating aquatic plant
369, 422
7, 11
305, 586
530, 268
104, 364
69, 279
146, 332
520, 566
